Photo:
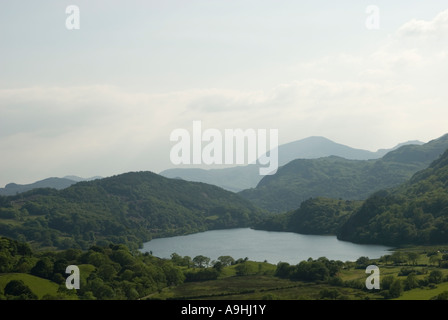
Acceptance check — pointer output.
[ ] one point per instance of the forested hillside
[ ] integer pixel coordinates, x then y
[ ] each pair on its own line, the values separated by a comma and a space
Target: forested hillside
129, 208
320, 216
416, 212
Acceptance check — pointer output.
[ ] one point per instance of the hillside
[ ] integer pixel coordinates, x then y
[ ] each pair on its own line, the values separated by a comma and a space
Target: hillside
320, 216
244, 177
335, 177
415, 212
12, 189
128, 208
57, 183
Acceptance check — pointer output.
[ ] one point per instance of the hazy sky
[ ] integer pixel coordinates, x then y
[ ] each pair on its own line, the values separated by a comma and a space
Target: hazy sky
103, 99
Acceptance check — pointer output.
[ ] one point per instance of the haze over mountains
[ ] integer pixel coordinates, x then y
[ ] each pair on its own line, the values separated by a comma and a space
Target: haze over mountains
56, 183
245, 177
133, 207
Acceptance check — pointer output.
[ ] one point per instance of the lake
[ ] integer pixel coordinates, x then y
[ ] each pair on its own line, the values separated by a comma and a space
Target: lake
258, 245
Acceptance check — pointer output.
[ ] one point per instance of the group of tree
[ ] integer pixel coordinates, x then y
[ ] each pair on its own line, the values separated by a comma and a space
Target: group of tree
314, 216
129, 209
111, 272
202, 268
415, 212
321, 269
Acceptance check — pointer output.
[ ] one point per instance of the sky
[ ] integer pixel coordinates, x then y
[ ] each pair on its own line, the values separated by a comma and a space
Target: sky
103, 99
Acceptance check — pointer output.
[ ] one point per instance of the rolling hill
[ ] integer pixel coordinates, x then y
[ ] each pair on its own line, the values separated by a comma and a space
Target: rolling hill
128, 208
415, 212
319, 216
335, 177
57, 183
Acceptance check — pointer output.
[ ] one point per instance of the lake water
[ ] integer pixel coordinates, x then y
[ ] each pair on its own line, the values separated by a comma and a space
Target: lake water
260, 245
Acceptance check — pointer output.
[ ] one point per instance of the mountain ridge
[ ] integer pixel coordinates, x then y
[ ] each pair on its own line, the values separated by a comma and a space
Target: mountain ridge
245, 177
52, 182
336, 177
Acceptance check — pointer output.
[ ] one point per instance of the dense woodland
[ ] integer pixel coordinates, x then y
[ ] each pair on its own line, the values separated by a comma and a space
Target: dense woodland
415, 212
321, 216
130, 208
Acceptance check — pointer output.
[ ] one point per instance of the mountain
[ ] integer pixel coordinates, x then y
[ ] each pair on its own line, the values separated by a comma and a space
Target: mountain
232, 179
244, 177
78, 179
318, 147
56, 183
335, 177
413, 213
129, 208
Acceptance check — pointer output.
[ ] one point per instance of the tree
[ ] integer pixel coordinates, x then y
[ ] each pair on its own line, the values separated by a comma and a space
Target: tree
363, 262
43, 268
398, 257
386, 258
441, 296
386, 282
177, 259
19, 289
410, 282
218, 265
413, 257
243, 269
434, 259
107, 272
436, 276
396, 288
283, 270
226, 260
201, 261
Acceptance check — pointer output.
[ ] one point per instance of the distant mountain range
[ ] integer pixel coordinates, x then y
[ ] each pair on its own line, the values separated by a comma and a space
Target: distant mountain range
57, 183
336, 177
244, 177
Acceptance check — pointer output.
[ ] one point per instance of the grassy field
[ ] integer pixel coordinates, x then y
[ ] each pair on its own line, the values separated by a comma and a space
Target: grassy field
39, 286
424, 293
258, 282
262, 284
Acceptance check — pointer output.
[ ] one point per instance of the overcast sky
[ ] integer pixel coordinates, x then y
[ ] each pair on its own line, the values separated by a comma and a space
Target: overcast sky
103, 100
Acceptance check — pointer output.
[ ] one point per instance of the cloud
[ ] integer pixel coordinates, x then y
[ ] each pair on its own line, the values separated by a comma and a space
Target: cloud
392, 94
437, 27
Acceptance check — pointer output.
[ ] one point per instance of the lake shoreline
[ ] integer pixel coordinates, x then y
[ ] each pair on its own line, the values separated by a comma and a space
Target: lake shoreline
261, 245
